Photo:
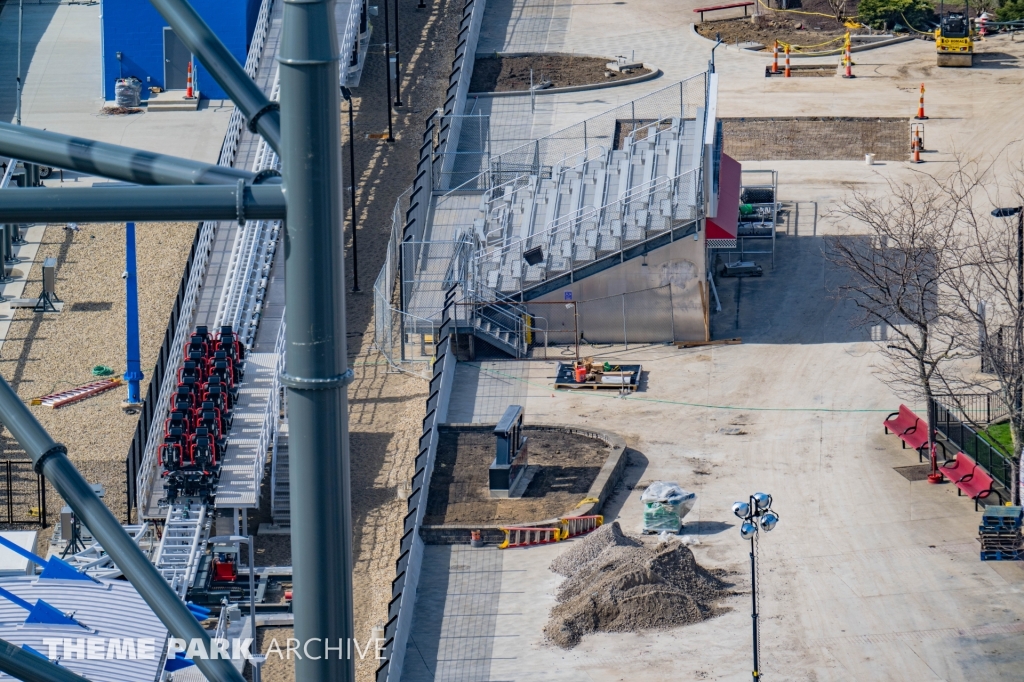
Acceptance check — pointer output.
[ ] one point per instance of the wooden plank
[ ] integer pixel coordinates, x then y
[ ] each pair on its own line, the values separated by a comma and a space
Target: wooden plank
717, 342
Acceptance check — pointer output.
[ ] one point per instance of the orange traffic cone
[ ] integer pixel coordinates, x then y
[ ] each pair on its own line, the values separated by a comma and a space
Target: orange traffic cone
775, 58
188, 83
787, 61
920, 106
849, 59
917, 150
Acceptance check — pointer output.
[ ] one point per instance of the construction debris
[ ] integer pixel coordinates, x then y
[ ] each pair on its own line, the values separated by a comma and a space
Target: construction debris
617, 584
716, 342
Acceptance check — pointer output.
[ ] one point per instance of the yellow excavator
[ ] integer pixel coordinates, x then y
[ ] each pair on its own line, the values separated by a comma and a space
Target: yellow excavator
953, 44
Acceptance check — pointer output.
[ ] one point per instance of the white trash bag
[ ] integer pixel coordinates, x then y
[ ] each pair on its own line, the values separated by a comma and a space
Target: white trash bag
665, 505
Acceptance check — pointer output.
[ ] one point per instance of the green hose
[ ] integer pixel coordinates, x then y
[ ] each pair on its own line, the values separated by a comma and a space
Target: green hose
102, 371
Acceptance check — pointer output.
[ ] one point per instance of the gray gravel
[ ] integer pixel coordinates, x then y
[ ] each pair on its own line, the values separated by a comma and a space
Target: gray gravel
616, 584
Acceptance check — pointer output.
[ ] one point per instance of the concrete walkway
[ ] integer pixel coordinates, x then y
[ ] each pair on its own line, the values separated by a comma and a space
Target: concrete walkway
867, 577
62, 88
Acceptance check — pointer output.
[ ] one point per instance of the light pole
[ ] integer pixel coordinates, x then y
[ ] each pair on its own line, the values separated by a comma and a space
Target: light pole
398, 63
387, 66
236, 540
1018, 394
757, 513
347, 95
133, 374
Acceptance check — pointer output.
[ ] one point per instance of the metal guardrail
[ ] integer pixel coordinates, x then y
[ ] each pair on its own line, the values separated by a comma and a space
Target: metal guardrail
252, 256
268, 430
350, 39
8, 173
140, 464
965, 438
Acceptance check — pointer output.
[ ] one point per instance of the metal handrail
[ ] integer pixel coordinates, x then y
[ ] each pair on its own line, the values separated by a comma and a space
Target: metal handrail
544, 236
229, 148
349, 37
268, 430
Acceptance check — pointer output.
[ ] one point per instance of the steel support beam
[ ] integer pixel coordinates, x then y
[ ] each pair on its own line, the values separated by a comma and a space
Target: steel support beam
317, 372
50, 459
30, 667
110, 160
262, 114
122, 204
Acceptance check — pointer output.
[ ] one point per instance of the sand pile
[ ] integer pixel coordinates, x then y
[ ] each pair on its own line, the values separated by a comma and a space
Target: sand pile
617, 584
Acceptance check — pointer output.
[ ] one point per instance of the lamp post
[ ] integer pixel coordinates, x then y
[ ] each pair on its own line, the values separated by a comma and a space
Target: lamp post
236, 540
756, 513
347, 95
1018, 394
398, 62
387, 66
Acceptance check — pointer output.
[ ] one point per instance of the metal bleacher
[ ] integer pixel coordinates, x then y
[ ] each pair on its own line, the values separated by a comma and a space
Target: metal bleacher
507, 242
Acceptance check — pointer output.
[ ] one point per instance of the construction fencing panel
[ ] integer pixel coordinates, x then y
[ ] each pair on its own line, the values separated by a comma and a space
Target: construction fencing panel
635, 318
22, 493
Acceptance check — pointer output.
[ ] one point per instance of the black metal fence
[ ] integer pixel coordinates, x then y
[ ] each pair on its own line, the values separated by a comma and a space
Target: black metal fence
951, 424
137, 449
22, 487
983, 408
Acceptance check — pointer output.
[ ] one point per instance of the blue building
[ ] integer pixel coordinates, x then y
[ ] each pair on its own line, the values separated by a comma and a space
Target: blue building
150, 50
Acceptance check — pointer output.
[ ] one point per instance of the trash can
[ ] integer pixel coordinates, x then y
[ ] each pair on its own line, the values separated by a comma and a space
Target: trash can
127, 92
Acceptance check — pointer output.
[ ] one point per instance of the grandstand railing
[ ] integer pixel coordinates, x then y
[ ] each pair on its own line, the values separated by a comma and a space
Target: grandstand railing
685, 188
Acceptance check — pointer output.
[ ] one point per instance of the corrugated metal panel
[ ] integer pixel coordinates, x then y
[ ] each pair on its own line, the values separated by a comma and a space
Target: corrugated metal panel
109, 609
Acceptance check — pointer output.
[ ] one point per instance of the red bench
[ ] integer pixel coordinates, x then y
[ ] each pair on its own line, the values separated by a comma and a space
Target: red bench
977, 485
908, 427
731, 5
962, 466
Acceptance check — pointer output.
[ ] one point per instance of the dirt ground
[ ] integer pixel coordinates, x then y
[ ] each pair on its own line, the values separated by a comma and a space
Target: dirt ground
48, 352
817, 138
807, 23
459, 493
512, 74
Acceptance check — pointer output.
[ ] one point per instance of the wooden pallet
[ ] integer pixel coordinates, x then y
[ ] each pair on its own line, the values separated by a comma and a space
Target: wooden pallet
564, 378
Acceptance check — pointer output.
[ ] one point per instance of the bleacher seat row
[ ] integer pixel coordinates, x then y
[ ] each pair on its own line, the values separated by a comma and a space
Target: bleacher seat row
612, 199
196, 428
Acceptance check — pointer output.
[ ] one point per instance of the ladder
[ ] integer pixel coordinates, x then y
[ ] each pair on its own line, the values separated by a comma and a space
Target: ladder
177, 557
63, 398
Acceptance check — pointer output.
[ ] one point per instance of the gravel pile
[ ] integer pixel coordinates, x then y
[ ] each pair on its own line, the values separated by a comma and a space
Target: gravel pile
617, 584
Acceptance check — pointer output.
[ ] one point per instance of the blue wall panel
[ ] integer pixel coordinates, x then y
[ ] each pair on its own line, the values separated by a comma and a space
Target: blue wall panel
135, 29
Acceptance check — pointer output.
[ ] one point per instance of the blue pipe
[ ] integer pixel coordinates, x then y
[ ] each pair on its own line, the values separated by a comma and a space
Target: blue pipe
134, 374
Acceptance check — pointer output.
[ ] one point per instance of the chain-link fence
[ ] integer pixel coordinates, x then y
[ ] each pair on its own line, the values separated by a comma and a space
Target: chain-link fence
484, 158
405, 340
631, 319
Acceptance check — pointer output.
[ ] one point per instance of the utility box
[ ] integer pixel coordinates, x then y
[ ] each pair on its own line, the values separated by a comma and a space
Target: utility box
50, 277
510, 457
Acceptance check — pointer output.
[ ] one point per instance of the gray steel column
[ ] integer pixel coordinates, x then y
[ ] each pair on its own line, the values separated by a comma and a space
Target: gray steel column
119, 204
316, 362
259, 111
29, 667
51, 459
110, 160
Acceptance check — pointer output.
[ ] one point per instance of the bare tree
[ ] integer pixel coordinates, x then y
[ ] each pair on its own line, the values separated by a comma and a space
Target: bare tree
988, 283
895, 266
838, 9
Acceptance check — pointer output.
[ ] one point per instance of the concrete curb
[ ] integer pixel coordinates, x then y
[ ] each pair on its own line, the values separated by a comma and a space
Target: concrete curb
655, 73
601, 488
813, 55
